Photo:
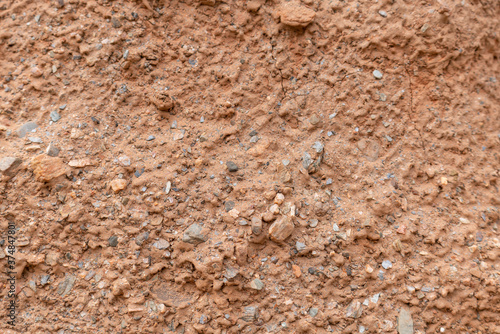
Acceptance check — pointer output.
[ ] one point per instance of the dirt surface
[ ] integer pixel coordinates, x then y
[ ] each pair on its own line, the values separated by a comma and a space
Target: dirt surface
250, 166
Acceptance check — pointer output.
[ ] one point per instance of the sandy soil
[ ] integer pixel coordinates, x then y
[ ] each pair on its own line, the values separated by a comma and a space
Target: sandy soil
250, 166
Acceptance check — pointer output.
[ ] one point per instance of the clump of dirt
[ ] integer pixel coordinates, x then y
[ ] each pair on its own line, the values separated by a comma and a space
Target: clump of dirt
250, 166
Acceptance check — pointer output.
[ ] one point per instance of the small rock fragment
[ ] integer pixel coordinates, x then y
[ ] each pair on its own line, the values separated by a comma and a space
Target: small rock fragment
279, 199
250, 313
256, 225
231, 166
118, 185
257, 284
80, 163
296, 270
52, 150
193, 235
354, 310
66, 285
300, 246
139, 240
26, 128
405, 322
296, 15
124, 161
313, 312
47, 168
281, 229
55, 116
386, 264
377, 74
9, 164
113, 241
161, 244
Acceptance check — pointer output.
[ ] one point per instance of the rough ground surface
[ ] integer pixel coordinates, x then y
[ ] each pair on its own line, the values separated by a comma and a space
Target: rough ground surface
179, 131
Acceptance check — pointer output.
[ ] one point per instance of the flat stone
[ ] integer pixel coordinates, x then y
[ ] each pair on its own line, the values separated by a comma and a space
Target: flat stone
193, 235
257, 284
296, 15
9, 164
405, 322
124, 161
26, 128
47, 168
65, 286
80, 163
161, 244
36, 140
281, 229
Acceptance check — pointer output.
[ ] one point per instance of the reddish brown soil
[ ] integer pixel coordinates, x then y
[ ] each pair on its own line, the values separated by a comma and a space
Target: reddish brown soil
409, 172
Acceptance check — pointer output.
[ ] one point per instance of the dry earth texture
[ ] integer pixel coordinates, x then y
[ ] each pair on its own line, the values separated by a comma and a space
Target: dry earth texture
250, 166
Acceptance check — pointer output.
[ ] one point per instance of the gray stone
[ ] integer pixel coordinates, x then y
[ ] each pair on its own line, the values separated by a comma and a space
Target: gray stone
44, 280
313, 312
113, 241
231, 273
231, 166
9, 164
193, 235
52, 150
257, 284
65, 286
26, 128
54, 116
306, 160
318, 147
229, 205
405, 322
300, 246
382, 13
161, 244
377, 74
150, 138
139, 240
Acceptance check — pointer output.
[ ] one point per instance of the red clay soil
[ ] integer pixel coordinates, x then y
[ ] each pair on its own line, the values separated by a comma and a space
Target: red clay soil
250, 166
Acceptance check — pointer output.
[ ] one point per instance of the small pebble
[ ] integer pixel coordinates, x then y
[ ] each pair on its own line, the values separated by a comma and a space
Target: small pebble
150, 138
54, 116
386, 264
382, 13
113, 241
231, 166
377, 74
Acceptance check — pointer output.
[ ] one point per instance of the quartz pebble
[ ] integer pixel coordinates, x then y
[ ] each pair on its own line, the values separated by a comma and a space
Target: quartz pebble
377, 74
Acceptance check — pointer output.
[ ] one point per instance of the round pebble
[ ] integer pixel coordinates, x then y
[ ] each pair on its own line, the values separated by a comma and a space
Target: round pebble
377, 74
